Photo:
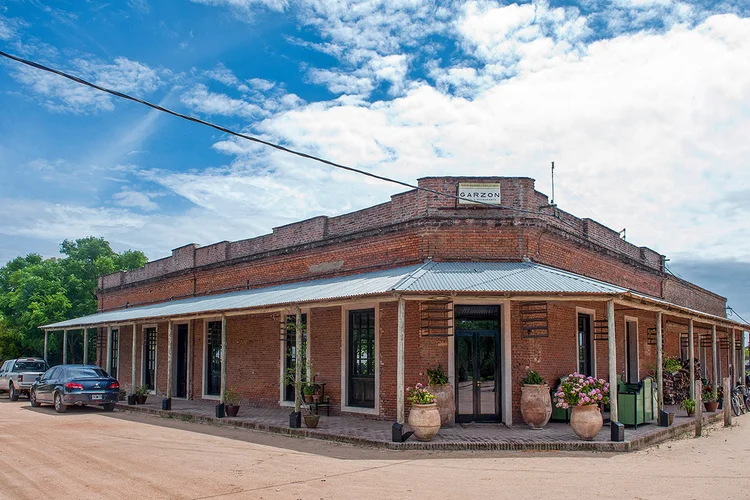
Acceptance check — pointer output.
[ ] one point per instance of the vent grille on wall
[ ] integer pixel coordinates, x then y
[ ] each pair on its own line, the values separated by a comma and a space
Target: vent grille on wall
534, 320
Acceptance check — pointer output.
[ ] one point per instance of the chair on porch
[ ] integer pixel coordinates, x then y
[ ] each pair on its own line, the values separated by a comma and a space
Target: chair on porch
636, 403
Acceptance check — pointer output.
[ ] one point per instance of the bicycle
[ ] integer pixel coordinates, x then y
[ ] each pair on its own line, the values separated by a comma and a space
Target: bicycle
738, 401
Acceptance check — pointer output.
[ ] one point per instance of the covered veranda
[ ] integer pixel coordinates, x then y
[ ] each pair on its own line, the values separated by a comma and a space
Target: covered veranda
514, 284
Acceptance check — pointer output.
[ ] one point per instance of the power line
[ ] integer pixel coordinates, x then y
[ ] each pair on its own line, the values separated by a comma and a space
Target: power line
288, 150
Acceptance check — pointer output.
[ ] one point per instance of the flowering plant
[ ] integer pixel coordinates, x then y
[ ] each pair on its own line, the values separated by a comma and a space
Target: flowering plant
578, 390
419, 395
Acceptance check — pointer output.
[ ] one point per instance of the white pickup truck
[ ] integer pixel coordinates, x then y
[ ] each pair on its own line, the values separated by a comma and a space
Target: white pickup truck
17, 375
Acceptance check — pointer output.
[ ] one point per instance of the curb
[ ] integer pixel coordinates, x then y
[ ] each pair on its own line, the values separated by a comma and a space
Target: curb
664, 434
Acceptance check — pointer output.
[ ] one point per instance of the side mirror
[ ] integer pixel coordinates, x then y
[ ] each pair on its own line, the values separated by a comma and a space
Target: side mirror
38, 378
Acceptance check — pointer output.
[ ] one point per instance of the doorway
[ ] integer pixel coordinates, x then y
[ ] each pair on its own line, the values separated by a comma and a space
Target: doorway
631, 352
585, 351
477, 363
181, 363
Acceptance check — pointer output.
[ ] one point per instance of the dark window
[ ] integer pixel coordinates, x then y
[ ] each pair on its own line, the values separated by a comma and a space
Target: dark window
362, 358
149, 358
213, 358
290, 355
87, 372
30, 366
115, 352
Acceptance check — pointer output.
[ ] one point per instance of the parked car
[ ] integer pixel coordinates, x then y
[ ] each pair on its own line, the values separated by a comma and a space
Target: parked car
17, 375
68, 385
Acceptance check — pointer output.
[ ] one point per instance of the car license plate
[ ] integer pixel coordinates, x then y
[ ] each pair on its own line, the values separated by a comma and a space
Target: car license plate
96, 396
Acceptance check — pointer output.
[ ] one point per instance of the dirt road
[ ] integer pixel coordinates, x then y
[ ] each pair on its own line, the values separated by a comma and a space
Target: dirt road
87, 453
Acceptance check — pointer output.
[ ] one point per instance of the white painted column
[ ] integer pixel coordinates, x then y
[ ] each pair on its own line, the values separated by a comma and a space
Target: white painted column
614, 415
170, 348
734, 370
714, 361
65, 347
298, 360
109, 349
46, 335
133, 361
743, 360
691, 354
400, 361
659, 362
85, 346
223, 356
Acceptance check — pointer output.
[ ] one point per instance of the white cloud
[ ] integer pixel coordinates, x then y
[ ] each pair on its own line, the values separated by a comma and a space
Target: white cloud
140, 5
134, 199
222, 74
62, 95
199, 98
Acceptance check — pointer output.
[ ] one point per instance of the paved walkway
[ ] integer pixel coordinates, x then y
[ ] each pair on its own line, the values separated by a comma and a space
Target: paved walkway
377, 433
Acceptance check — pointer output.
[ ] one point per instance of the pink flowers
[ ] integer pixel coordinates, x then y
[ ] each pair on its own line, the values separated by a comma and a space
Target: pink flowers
578, 390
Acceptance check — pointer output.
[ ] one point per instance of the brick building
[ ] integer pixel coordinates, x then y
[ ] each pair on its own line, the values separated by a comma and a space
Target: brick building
486, 290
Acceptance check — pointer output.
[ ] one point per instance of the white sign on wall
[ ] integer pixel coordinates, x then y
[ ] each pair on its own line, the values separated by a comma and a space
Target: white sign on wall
479, 193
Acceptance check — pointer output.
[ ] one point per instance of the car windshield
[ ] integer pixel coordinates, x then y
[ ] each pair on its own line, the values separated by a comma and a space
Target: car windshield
30, 366
84, 372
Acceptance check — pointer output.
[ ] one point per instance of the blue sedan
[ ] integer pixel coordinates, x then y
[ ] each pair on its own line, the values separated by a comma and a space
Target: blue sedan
68, 385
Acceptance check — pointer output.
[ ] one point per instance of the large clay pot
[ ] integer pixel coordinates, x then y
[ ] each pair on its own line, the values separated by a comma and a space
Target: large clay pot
711, 407
536, 405
424, 421
586, 421
445, 402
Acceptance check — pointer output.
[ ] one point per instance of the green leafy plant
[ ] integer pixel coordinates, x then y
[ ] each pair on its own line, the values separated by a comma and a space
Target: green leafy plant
532, 378
671, 365
436, 376
419, 395
231, 397
709, 395
309, 389
688, 405
141, 390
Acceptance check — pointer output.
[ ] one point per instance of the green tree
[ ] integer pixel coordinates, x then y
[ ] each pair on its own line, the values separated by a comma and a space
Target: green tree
36, 291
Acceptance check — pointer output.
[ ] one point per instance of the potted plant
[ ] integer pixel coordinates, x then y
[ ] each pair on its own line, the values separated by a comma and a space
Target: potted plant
308, 391
688, 405
710, 398
437, 384
231, 402
141, 394
424, 417
583, 394
312, 418
536, 403
671, 365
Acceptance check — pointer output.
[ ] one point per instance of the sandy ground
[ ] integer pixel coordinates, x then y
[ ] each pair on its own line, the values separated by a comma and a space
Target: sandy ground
87, 453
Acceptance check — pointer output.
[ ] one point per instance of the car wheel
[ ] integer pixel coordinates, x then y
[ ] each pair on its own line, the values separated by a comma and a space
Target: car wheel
108, 406
59, 405
32, 398
13, 393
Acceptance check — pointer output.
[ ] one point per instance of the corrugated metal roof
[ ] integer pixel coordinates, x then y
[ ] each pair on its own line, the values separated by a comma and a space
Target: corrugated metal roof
306, 291
516, 277
502, 277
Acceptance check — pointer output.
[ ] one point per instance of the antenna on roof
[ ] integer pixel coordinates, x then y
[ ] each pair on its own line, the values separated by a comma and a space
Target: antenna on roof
553, 184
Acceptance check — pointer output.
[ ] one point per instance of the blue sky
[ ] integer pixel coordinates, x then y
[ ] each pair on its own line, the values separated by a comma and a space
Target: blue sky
643, 104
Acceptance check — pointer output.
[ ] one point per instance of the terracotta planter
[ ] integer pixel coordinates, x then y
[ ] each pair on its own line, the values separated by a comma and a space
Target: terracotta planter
586, 421
312, 421
536, 405
232, 410
424, 421
308, 398
446, 403
711, 407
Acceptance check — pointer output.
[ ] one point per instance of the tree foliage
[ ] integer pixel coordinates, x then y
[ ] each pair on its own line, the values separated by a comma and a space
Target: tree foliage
35, 291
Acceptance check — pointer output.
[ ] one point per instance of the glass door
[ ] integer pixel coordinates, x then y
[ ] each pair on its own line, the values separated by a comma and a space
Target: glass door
182, 361
477, 363
585, 363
